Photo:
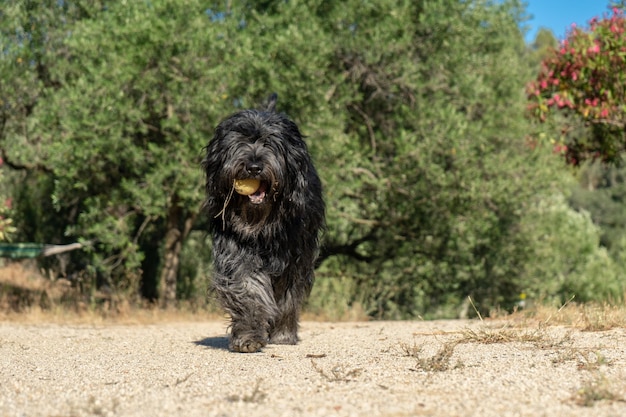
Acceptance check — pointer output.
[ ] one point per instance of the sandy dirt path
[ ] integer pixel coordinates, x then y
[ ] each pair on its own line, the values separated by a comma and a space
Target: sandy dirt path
439, 368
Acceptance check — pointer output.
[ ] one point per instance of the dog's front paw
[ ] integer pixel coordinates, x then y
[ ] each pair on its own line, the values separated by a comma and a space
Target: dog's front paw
247, 343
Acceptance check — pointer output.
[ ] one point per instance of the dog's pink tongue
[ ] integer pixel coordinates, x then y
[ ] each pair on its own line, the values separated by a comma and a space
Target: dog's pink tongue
258, 196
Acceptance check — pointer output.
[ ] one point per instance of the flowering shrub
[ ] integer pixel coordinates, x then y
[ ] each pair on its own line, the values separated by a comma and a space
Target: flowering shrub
6, 228
586, 76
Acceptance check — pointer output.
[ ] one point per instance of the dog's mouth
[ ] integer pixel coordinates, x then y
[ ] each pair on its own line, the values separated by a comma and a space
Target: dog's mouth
258, 196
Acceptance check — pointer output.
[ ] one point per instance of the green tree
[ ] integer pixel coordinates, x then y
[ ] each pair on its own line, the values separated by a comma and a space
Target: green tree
31, 40
414, 113
555, 275
542, 47
602, 193
124, 132
134, 92
436, 173
579, 95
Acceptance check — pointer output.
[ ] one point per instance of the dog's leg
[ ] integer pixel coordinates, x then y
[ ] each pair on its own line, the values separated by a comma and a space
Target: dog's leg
284, 330
289, 299
251, 306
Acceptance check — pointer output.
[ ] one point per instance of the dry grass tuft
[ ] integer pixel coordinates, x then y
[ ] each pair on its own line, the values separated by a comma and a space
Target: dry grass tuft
505, 334
586, 359
337, 373
439, 362
596, 390
586, 317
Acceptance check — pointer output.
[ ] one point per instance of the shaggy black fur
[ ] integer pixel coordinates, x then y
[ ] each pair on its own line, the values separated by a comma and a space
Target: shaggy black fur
264, 245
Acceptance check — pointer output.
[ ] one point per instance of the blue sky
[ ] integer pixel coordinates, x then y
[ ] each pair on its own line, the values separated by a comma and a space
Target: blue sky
558, 15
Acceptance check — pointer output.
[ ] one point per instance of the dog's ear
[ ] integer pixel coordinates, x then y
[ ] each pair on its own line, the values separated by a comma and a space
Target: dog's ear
270, 105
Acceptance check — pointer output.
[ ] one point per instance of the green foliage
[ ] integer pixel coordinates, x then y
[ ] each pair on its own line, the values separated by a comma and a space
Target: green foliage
414, 113
120, 140
194, 272
555, 275
542, 47
431, 198
602, 193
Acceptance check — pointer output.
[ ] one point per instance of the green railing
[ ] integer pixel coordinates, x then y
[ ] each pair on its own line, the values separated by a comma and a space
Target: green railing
34, 250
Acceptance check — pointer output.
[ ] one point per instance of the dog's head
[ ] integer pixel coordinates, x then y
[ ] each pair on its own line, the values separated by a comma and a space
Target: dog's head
255, 144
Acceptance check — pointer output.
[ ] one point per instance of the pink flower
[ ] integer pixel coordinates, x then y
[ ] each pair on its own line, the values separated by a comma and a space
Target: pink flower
594, 49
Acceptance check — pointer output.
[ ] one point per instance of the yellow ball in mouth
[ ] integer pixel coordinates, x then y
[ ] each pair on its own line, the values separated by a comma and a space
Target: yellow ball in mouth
247, 186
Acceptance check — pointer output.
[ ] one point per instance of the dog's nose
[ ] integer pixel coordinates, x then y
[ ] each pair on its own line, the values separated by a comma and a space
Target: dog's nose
254, 168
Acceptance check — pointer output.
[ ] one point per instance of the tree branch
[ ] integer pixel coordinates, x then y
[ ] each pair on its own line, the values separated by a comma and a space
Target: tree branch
22, 167
349, 249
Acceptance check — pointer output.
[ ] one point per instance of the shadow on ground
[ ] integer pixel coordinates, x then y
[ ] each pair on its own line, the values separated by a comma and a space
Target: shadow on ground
215, 342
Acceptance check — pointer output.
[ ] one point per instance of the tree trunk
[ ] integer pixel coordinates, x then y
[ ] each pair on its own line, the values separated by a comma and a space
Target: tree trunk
174, 238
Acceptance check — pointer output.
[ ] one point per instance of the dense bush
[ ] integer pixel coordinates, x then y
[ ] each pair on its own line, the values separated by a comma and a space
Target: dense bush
436, 185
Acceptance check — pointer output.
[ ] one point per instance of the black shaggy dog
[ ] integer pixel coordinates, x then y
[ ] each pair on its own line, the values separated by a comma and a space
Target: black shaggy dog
264, 244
